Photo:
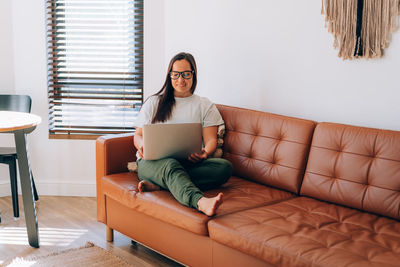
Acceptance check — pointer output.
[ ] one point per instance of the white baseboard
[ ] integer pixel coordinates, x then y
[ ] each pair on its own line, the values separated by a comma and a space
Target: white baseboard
55, 189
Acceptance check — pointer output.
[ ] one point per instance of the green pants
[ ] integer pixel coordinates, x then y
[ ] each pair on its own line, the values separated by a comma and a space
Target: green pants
185, 180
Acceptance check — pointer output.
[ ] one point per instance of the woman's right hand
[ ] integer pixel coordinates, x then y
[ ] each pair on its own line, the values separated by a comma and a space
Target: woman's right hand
140, 152
138, 141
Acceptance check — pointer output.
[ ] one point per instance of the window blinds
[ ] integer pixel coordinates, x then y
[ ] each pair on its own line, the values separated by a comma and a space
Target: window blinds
95, 66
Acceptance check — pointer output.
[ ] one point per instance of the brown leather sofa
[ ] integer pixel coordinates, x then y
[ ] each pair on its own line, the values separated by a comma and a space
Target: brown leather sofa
302, 194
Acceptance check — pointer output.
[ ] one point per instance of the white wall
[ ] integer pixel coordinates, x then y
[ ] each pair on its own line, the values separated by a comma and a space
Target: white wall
6, 79
274, 56
6, 48
154, 54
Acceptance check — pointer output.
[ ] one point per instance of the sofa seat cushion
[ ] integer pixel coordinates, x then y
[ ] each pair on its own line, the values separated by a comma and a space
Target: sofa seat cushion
304, 232
239, 194
121, 187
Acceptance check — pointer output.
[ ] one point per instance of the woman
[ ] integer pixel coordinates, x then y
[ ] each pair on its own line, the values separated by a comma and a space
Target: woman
177, 103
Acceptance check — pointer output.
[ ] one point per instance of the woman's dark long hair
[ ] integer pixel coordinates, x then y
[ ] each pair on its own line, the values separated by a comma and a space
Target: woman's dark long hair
166, 94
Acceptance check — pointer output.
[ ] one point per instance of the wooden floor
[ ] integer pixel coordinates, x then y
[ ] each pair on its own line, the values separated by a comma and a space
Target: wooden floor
67, 222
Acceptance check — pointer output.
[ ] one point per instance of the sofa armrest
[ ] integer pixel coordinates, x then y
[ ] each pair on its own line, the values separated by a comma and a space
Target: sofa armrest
113, 152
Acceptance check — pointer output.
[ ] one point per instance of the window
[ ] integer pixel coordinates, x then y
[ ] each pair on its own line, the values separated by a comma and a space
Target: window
95, 66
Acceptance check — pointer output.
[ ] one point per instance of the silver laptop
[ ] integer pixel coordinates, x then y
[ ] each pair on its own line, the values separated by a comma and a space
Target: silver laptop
171, 140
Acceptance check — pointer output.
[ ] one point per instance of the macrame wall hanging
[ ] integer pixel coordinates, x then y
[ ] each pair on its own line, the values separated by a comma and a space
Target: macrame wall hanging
361, 28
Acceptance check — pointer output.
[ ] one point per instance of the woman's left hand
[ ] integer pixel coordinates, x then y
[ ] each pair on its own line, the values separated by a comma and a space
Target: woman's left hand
196, 157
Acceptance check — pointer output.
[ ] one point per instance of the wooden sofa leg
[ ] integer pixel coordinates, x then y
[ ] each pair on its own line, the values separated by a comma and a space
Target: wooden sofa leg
110, 234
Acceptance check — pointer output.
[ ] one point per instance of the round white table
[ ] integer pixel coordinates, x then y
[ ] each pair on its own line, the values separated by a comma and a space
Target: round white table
21, 124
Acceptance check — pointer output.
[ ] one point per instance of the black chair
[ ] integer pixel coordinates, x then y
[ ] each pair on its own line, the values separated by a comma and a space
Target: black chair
8, 155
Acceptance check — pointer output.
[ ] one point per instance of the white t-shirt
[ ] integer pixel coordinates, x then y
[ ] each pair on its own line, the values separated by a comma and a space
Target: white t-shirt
190, 109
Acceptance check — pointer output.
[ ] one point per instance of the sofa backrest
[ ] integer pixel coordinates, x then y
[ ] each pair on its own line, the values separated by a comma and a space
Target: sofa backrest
266, 148
356, 167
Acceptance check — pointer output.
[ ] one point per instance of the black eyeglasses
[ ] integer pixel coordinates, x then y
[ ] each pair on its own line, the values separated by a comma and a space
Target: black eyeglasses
185, 74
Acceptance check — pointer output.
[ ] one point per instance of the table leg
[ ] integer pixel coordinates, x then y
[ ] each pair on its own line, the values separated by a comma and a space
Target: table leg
26, 187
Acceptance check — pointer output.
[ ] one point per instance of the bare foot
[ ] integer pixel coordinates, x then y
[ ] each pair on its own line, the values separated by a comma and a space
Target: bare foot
145, 186
210, 205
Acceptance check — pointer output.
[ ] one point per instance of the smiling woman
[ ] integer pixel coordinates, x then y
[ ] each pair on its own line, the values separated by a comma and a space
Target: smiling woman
185, 178
95, 66
181, 76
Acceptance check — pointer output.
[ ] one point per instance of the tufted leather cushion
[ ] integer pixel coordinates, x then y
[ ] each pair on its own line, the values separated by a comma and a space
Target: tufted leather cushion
307, 232
266, 148
354, 166
239, 194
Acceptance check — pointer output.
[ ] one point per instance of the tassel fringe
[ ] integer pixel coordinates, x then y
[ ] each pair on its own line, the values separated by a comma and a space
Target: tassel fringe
379, 21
